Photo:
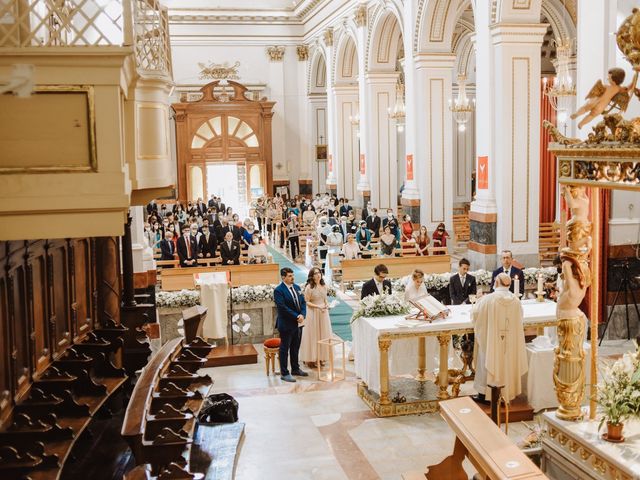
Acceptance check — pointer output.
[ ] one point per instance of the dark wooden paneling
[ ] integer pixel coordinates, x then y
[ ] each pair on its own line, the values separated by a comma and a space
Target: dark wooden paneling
59, 288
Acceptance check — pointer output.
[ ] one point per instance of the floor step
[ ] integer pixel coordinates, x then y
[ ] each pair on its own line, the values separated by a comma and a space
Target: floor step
226, 355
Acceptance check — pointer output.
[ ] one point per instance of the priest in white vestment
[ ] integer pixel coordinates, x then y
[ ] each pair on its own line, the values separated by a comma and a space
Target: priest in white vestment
499, 352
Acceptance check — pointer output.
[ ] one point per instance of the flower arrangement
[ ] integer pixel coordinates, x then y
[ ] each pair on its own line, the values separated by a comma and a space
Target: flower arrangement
381, 306
183, 298
619, 392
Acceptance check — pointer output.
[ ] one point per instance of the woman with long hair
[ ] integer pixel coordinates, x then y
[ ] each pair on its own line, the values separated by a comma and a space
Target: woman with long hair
422, 241
440, 236
387, 242
317, 323
406, 230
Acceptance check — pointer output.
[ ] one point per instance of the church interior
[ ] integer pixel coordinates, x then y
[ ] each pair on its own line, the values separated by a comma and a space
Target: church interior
319, 239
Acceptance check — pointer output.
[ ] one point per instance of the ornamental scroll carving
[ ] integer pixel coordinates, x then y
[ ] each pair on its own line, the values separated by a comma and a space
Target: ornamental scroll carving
328, 37
303, 53
276, 53
360, 16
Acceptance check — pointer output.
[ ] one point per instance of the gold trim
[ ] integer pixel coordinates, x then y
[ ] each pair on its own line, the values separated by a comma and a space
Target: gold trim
513, 153
442, 146
91, 128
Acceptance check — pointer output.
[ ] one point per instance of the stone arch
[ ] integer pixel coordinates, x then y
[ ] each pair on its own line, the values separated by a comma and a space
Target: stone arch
317, 72
515, 11
559, 18
384, 40
435, 24
346, 64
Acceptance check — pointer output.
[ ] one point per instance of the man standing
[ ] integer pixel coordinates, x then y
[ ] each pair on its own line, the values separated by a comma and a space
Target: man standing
230, 250
378, 284
187, 248
461, 285
208, 243
166, 247
294, 241
510, 269
345, 208
291, 312
500, 355
373, 223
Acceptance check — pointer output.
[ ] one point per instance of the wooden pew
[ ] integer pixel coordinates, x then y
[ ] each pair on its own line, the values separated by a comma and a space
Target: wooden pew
549, 243
161, 416
182, 278
461, 229
362, 269
490, 451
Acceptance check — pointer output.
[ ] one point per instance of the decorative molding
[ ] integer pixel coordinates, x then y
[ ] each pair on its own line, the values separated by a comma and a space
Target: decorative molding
276, 53
219, 71
328, 37
360, 16
303, 53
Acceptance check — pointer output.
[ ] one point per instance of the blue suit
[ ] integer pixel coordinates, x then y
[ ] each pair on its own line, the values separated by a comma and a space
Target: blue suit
514, 272
288, 326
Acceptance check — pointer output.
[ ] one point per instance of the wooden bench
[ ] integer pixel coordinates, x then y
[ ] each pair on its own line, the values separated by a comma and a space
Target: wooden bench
489, 450
161, 417
362, 269
408, 249
461, 229
182, 278
60, 405
548, 243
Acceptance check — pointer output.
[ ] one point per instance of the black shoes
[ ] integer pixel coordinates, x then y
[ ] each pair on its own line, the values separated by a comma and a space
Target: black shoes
300, 373
479, 398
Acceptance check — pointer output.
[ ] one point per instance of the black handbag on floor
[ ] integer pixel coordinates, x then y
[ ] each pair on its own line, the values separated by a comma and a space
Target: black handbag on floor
219, 408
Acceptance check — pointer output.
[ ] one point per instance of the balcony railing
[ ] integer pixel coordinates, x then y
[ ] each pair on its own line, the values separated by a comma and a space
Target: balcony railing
90, 23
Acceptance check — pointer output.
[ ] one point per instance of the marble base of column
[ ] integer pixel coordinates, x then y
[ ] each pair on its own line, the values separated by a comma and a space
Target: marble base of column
365, 196
332, 188
305, 187
411, 207
482, 244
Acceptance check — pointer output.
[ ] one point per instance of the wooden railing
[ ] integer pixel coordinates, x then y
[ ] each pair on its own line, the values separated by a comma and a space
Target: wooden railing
461, 229
548, 242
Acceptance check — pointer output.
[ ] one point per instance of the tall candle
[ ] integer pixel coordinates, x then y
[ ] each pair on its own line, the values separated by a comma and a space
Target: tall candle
516, 286
540, 284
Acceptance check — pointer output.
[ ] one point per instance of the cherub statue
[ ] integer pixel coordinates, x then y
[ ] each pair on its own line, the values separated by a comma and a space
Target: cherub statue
578, 226
601, 99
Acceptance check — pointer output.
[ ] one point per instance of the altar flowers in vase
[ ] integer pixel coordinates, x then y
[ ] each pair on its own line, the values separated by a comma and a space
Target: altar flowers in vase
381, 306
619, 395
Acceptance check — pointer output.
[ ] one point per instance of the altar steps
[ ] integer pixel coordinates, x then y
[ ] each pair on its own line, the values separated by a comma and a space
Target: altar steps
519, 411
226, 355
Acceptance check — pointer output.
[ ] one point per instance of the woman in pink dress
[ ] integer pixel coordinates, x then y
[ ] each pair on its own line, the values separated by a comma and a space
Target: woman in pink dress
317, 324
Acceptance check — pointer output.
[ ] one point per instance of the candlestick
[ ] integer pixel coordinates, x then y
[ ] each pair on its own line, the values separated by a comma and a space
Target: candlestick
516, 286
540, 284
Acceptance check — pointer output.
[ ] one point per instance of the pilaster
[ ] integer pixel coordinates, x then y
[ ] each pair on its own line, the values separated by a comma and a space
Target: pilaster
347, 152
364, 185
276, 93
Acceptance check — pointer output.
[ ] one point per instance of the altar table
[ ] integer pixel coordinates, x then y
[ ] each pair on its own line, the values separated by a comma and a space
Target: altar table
373, 338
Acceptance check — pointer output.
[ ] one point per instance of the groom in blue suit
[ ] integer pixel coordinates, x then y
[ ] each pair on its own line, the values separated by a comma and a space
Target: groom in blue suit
291, 312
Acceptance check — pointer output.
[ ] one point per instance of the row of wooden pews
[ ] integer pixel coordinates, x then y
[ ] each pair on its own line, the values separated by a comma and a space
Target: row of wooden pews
60, 404
161, 417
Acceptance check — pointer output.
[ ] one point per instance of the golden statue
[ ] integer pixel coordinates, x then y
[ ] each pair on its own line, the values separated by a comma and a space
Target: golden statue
568, 369
628, 38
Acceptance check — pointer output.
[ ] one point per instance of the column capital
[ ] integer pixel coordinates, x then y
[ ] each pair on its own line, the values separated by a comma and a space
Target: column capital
518, 33
434, 60
276, 53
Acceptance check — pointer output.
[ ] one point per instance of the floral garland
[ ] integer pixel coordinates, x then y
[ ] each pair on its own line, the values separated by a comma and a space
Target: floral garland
241, 295
381, 306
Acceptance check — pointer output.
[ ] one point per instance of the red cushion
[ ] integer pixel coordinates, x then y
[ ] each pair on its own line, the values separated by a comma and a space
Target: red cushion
272, 342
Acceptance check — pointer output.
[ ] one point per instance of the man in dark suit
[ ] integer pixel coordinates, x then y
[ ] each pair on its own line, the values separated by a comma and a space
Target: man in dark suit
511, 270
291, 312
373, 223
208, 244
201, 207
166, 247
212, 201
230, 250
378, 283
346, 208
461, 285
187, 249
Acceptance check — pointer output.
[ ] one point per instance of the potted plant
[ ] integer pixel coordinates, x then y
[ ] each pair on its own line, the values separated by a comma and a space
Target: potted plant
619, 395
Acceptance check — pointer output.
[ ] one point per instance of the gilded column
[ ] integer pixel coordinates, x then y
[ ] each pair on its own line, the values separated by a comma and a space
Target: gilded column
443, 368
384, 345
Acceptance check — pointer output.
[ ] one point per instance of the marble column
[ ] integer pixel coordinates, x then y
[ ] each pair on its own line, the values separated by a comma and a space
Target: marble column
306, 151
278, 127
463, 155
142, 253
516, 83
380, 95
433, 89
364, 185
346, 154
317, 115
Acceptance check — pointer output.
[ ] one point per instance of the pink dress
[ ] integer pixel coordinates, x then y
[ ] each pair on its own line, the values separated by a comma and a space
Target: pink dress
317, 326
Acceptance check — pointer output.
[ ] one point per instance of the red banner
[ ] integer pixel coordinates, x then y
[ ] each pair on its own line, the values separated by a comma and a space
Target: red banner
362, 164
330, 158
483, 173
410, 167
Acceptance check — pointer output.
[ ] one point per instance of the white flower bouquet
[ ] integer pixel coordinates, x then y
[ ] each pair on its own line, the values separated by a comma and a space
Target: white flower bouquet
381, 306
619, 392
183, 298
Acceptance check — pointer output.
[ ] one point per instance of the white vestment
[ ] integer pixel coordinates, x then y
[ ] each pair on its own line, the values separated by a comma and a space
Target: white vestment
499, 353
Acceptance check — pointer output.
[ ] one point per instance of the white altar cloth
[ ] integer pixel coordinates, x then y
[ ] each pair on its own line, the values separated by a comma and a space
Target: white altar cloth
367, 330
537, 383
214, 290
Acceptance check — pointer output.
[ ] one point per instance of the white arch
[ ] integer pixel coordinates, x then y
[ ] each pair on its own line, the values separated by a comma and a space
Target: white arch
317, 75
384, 40
435, 24
559, 19
346, 59
516, 11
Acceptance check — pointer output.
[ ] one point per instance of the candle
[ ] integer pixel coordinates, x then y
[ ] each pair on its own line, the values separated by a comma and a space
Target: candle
540, 284
516, 286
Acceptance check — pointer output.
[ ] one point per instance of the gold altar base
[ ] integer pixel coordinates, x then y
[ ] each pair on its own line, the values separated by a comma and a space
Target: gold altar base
420, 397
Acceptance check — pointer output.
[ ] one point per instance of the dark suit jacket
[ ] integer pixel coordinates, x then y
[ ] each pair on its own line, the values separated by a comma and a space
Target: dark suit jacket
167, 250
208, 247
373, 224
514, 272
230, 254
183, 253
287, 311
460, 293
344, 210
369, 288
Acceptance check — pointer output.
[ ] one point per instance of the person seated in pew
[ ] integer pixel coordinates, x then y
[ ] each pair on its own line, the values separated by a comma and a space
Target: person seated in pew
499, 352
187, 248
378, 284
439, 238
208, 244
363, 238
351, 249
257, 252
388, 242
422, 242
406, 229
167, 248
230, 250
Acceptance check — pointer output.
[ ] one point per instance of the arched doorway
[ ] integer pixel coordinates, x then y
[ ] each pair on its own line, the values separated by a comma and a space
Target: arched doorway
224, 146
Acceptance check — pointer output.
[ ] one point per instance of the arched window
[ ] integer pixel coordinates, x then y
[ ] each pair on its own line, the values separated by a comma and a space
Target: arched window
234, 127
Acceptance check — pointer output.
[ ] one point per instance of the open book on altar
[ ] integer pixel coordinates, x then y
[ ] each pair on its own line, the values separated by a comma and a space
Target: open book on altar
429, 308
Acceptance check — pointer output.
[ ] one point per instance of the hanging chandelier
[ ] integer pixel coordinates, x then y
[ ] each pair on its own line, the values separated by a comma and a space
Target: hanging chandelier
355, 119
462, 107
563, 86
398, 112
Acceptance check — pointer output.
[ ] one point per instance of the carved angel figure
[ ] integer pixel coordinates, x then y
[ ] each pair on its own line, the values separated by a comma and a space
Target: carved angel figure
602, 98
578, 226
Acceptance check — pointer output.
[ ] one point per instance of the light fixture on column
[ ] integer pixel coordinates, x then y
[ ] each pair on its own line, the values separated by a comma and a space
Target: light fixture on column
398, 112
560, 90
355, 119
462, 107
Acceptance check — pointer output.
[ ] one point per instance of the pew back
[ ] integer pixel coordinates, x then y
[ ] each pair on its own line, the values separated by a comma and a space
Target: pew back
362, 269
182, 278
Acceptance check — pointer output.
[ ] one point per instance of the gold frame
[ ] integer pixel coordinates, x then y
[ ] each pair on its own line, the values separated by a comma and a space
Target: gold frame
91, 127
322, 148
